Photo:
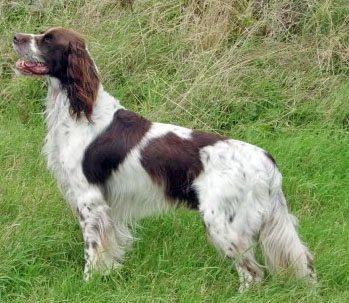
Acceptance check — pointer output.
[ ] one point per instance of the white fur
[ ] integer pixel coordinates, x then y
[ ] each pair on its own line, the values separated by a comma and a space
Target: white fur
34, 51
33, 46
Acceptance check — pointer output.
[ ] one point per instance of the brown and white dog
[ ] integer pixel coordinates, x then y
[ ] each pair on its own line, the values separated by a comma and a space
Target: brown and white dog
114, 167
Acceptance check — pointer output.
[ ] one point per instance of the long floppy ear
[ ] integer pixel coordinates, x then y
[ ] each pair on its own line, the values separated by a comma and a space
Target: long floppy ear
83, 82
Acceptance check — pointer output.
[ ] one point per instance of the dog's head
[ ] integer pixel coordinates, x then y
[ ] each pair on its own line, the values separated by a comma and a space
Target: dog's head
52, 52
60, 53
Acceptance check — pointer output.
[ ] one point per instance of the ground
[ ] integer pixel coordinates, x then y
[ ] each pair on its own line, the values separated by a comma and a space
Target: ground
274, 75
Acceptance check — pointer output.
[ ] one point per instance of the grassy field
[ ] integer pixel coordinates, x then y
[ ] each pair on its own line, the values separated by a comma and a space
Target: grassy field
272, 73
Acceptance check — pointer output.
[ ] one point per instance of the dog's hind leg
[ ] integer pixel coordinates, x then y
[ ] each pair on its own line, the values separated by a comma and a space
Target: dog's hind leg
231, 232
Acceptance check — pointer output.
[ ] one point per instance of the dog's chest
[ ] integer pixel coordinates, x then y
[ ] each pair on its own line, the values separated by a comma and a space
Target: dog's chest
64, 148
66, 142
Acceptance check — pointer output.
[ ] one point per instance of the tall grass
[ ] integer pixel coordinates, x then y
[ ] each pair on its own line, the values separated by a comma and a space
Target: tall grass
273, 73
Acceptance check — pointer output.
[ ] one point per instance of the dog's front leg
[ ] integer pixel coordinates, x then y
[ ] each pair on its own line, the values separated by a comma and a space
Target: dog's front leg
105, 241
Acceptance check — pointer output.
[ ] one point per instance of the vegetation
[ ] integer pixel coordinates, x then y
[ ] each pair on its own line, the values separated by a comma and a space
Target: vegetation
272, 73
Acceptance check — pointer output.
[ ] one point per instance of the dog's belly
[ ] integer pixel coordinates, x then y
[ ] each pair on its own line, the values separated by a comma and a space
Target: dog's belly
132, 195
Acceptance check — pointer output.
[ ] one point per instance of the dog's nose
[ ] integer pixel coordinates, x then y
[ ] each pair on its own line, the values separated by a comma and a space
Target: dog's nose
20, 38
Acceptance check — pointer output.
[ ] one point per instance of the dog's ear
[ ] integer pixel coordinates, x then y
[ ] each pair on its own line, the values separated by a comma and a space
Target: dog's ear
83, 81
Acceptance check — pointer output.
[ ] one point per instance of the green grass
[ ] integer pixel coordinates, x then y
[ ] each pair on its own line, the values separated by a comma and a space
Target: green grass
275, 76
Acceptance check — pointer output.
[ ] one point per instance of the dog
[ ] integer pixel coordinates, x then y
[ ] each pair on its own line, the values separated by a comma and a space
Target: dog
114, 167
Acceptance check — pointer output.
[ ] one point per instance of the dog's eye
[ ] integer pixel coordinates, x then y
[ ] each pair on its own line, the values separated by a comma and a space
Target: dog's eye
48, 38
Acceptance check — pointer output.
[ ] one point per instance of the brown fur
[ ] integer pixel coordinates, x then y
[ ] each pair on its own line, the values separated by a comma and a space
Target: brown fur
64, 51
83, 84
175, 162
110, 148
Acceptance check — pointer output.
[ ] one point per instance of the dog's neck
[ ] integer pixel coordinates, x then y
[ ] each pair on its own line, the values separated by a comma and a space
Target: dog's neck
58, 105
54, 89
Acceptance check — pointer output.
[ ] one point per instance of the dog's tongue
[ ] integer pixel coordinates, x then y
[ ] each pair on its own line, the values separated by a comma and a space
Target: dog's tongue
29, 63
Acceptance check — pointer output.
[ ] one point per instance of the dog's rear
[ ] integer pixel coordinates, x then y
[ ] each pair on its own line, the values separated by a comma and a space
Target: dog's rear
241, 201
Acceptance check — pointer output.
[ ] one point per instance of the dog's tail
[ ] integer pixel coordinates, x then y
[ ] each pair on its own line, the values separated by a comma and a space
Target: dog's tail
281, 244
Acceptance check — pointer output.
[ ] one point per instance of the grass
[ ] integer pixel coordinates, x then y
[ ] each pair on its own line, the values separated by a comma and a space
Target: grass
273, 73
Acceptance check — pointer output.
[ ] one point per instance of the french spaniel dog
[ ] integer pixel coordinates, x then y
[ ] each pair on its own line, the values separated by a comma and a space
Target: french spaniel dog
114, 166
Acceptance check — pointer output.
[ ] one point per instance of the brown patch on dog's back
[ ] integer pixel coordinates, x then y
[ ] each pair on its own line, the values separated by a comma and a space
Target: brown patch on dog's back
174, 162
111, 147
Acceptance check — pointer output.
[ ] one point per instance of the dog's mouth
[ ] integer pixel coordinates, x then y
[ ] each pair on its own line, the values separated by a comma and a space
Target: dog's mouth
30, 67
